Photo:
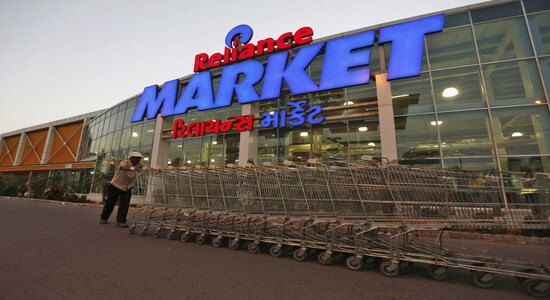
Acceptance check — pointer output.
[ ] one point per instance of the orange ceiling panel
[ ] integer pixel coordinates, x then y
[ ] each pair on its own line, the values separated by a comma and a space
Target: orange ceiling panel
9, 150
33, 149
65, 142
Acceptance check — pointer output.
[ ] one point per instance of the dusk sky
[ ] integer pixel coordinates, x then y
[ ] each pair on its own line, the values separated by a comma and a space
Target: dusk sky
63, 58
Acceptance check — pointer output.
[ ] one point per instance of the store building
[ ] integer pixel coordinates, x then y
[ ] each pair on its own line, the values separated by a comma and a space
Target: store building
477, 99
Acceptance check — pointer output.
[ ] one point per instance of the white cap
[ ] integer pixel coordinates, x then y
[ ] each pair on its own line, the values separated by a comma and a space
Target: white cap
135, 154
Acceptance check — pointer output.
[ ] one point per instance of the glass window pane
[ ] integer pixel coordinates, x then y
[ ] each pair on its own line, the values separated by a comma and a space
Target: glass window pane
412, 95
116, 139
212, 152
456, 20
511, 83
364, 139
522, 130
175, 156
458, 89
497, 12
330, 141
536, 5
526, 164
540, 30
232, 148
136, 135
128, 117
503, 40
125, 138
486, 164
119, 120
148, 132
267, 146
295, 143
545, 68
451, 48
192, 151
465, 133
416, 137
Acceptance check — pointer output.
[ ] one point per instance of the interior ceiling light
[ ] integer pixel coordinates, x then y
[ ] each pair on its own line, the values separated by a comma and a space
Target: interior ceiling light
135, 134
146, 158
214, 142
449, 92
436, 123
517, 134
363, 129
304, 133
538, 101
400, 96
348, 103
371, 144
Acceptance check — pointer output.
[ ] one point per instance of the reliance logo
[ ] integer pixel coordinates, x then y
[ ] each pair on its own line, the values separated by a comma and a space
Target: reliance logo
345, 63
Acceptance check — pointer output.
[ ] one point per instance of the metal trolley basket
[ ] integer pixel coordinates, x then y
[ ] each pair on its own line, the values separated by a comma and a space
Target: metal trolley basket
364, 215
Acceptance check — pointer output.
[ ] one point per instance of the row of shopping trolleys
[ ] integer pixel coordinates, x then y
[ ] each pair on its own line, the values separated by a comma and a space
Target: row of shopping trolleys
390, 247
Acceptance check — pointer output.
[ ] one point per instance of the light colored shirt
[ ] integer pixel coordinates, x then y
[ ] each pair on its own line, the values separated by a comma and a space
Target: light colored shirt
125, 175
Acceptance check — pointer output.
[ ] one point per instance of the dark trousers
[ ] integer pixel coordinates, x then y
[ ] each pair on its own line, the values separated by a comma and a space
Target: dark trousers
114, 194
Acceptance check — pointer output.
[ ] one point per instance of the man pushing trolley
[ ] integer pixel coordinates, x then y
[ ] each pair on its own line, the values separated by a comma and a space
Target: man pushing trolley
120, 189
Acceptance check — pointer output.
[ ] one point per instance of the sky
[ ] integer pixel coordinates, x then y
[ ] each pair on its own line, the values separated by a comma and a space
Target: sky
63, 58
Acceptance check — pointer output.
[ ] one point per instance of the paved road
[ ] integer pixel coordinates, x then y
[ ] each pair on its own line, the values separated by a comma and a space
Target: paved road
54, 251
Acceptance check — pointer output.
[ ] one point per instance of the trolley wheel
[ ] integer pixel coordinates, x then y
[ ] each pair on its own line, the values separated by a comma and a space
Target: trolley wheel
185, 236
354, 263
156, 234
143, 231
217, 242
325, 258
276, 250
537, 288
438, 272
233, 244
482, 279
288, 250
200, 239
389, 269
370, 262
299, 254
132, 229
253, 247
171, 235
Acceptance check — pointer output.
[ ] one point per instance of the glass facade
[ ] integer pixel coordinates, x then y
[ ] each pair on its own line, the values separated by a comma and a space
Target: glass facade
480, 102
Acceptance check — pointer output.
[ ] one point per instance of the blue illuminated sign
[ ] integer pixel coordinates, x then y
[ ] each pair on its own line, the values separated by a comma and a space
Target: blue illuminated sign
345, 64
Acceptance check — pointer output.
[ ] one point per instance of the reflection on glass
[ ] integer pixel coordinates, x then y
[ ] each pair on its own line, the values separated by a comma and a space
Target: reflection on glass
364, 139
148, 132
232, 148
526, 164
136, 134
176, 152
192, 151
465, 134
486, 164
330, 141
412, 95
511, 83
451, 48
502, 40
267, 146
521, 131
458, 89
540, 30
416, 137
